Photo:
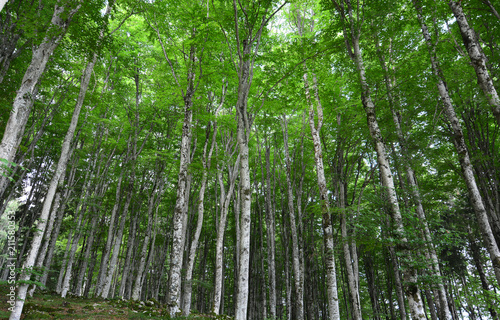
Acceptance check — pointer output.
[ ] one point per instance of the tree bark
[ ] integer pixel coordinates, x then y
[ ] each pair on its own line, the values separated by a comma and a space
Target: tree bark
477, 58
462, 151
333, 300
206, 160
410, 274
154, 198
271, 241
25, 96
108, 279
225, 201
415, 193
296, 261
178, 235
61, 166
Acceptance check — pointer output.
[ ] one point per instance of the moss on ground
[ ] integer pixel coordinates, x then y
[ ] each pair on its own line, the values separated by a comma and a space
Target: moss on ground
49, 305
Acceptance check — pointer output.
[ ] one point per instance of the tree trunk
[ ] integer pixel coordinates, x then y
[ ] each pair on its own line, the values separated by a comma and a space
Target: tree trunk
415, 192
206, 160
25, 96
128, 258
111, 230
296, 263
86, 257
477, 58
271, 245
352, 275
61, 166
178, 236
108, 279
154, 199
463, 153
409, 274
333, 300
225, 201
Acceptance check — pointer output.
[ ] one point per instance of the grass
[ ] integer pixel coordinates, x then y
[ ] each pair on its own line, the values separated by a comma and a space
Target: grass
49, 305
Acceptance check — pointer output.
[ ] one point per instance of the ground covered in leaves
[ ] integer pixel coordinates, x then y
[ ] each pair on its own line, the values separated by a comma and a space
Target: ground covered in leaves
49, 305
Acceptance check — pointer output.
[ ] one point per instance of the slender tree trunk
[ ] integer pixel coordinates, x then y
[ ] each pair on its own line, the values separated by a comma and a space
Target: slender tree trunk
61, 166
86, 257
186, 307
47, 236
25, 96
463, 153
352, 276
415, 192
108, 280
74, 246
154, 198
271, 241
333, 300
477, 57
127, 264
111, 230
298, 277
225, 201
178, 236
410, 274
476, 257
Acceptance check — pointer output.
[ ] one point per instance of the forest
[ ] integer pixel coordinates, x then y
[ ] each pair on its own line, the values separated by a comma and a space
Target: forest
255, 159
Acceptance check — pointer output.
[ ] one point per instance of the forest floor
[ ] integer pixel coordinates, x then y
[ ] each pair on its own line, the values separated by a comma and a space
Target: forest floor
50, 305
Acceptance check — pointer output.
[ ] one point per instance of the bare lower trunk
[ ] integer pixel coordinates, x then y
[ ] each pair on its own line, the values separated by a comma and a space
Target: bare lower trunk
352, 274
186, 301
111, 229
331, 273
270, 229
153, 203
176, 256
225, 200
108, 279
127, 264
86, 257
47, 236
296, 263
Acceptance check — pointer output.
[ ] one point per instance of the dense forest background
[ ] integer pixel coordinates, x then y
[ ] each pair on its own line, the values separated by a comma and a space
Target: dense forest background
304, 159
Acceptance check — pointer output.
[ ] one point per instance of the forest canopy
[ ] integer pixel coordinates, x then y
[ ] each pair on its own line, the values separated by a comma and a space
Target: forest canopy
260, 159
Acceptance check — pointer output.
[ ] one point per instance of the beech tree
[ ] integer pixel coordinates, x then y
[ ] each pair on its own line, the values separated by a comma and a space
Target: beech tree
253, 159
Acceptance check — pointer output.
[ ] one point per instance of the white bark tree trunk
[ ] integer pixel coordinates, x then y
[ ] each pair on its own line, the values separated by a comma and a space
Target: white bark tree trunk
127, 264
225, 201
477, 58
111, 229
206, 160
176, 256
463, 153
296, 261
42, 224
409, 274
154, 199
108, 279
331, 273
88, 250
271, 245
415, 192
350, 258
24, 99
